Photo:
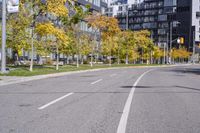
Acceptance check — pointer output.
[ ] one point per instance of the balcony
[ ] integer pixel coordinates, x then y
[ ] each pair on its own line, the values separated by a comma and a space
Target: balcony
198, 14
84, 2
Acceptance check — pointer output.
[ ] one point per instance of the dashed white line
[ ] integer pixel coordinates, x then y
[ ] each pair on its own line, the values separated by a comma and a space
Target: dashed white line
124, 118
96, 81
112, 75
54, 101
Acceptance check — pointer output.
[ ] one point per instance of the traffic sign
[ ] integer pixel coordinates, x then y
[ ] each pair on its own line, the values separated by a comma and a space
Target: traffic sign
13, 6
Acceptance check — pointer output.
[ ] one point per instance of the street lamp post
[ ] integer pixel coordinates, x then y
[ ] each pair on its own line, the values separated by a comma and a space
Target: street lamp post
3, 49
170, 39
127, 29
127, 20
170, 43
193, 49
151, 53
164, 58
167, 55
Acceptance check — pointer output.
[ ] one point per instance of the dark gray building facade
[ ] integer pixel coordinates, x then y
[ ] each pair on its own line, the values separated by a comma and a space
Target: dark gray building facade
165, 19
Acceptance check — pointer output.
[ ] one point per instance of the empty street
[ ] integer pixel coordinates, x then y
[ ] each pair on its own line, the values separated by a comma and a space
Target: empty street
125, 100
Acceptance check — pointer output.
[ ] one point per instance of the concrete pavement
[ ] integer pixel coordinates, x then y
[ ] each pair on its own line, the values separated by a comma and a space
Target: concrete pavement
165, 100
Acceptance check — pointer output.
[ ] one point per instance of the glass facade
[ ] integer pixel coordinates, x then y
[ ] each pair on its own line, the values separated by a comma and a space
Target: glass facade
170, 3
95, 2
152, 15
157, 16
95, 7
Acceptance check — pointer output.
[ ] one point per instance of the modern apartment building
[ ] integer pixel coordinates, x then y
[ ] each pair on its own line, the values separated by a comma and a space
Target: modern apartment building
96, 6
165, 19
117, 2
118, 6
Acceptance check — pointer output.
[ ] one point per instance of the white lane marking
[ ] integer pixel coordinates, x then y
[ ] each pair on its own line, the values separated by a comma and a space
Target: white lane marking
96, 81
124, 118
112, 75
54, 101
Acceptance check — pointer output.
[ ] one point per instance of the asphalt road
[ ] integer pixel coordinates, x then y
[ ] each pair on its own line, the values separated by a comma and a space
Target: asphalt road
129, 100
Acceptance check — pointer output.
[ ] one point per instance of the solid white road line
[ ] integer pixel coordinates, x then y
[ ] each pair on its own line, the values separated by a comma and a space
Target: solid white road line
54, 101
124, 118
96, 81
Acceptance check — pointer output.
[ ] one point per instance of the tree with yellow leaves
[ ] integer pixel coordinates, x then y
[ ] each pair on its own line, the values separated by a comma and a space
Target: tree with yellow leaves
72, 24
57, 36
180, 54
53, 26
128, 46
18, 32
109, 28
86, 45
54, 9
144, 43
157, 53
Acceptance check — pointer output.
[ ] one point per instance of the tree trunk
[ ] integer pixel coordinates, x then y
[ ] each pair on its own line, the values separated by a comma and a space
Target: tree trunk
118, 59
16, 58
110, 61
82, 59
57, 58
147, 61
77, 54
126, 58
32, 47
91, 57
77, 60
91, 61
67, 59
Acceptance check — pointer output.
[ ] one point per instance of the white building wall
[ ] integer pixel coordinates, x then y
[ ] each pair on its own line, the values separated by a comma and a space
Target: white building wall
114, 9
134, 1
195, 18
